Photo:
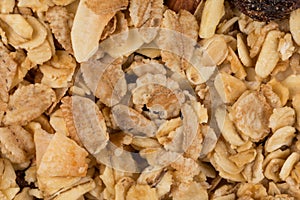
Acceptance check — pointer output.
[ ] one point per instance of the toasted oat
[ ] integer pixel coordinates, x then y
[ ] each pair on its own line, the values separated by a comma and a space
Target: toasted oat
77, 191
281, 117
36, 6
16, 144
273, 168
85, 121
243, 51
137, 192
190, 191
106, 79
62, 2
290, 82
8, 185
19, 25
59, 19
7, 6
39, 34
286, 47
27, 103
269, 55
251, 113
229, 87
58, 72
183, 28
288, 165
296, 106
105, 7
8, 70
294, 23
227, 128
212, 13
122, 187
40, 54
272, 98
158, 99
131, 121
146, 15
215, 50
63, 157
281, 137
281, 91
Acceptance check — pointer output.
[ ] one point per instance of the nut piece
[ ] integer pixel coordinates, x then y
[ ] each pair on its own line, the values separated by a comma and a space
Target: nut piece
211, 16
229, 87
87, 24
295, 25
269, 55
251, 113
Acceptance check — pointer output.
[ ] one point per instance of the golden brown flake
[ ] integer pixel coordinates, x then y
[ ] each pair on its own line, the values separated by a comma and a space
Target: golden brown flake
28, 102
59, 21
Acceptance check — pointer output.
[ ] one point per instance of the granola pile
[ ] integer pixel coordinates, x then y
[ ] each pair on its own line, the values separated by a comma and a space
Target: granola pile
147, 100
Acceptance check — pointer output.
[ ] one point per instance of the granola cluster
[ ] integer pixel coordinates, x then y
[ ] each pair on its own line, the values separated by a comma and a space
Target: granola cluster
147, 100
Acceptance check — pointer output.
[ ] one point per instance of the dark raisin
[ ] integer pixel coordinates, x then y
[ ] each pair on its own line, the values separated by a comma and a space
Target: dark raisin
266, 10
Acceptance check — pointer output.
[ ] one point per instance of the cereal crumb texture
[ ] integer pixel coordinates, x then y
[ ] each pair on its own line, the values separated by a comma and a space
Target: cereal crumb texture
149, 99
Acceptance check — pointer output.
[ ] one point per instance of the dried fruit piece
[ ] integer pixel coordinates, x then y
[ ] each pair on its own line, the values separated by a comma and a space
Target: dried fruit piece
27, 103
266, 10
146, 15
212, 13
59, 19
63, 157
88, 24
269, 56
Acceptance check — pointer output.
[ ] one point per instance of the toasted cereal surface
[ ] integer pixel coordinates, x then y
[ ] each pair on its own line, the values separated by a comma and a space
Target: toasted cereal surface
149, 99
